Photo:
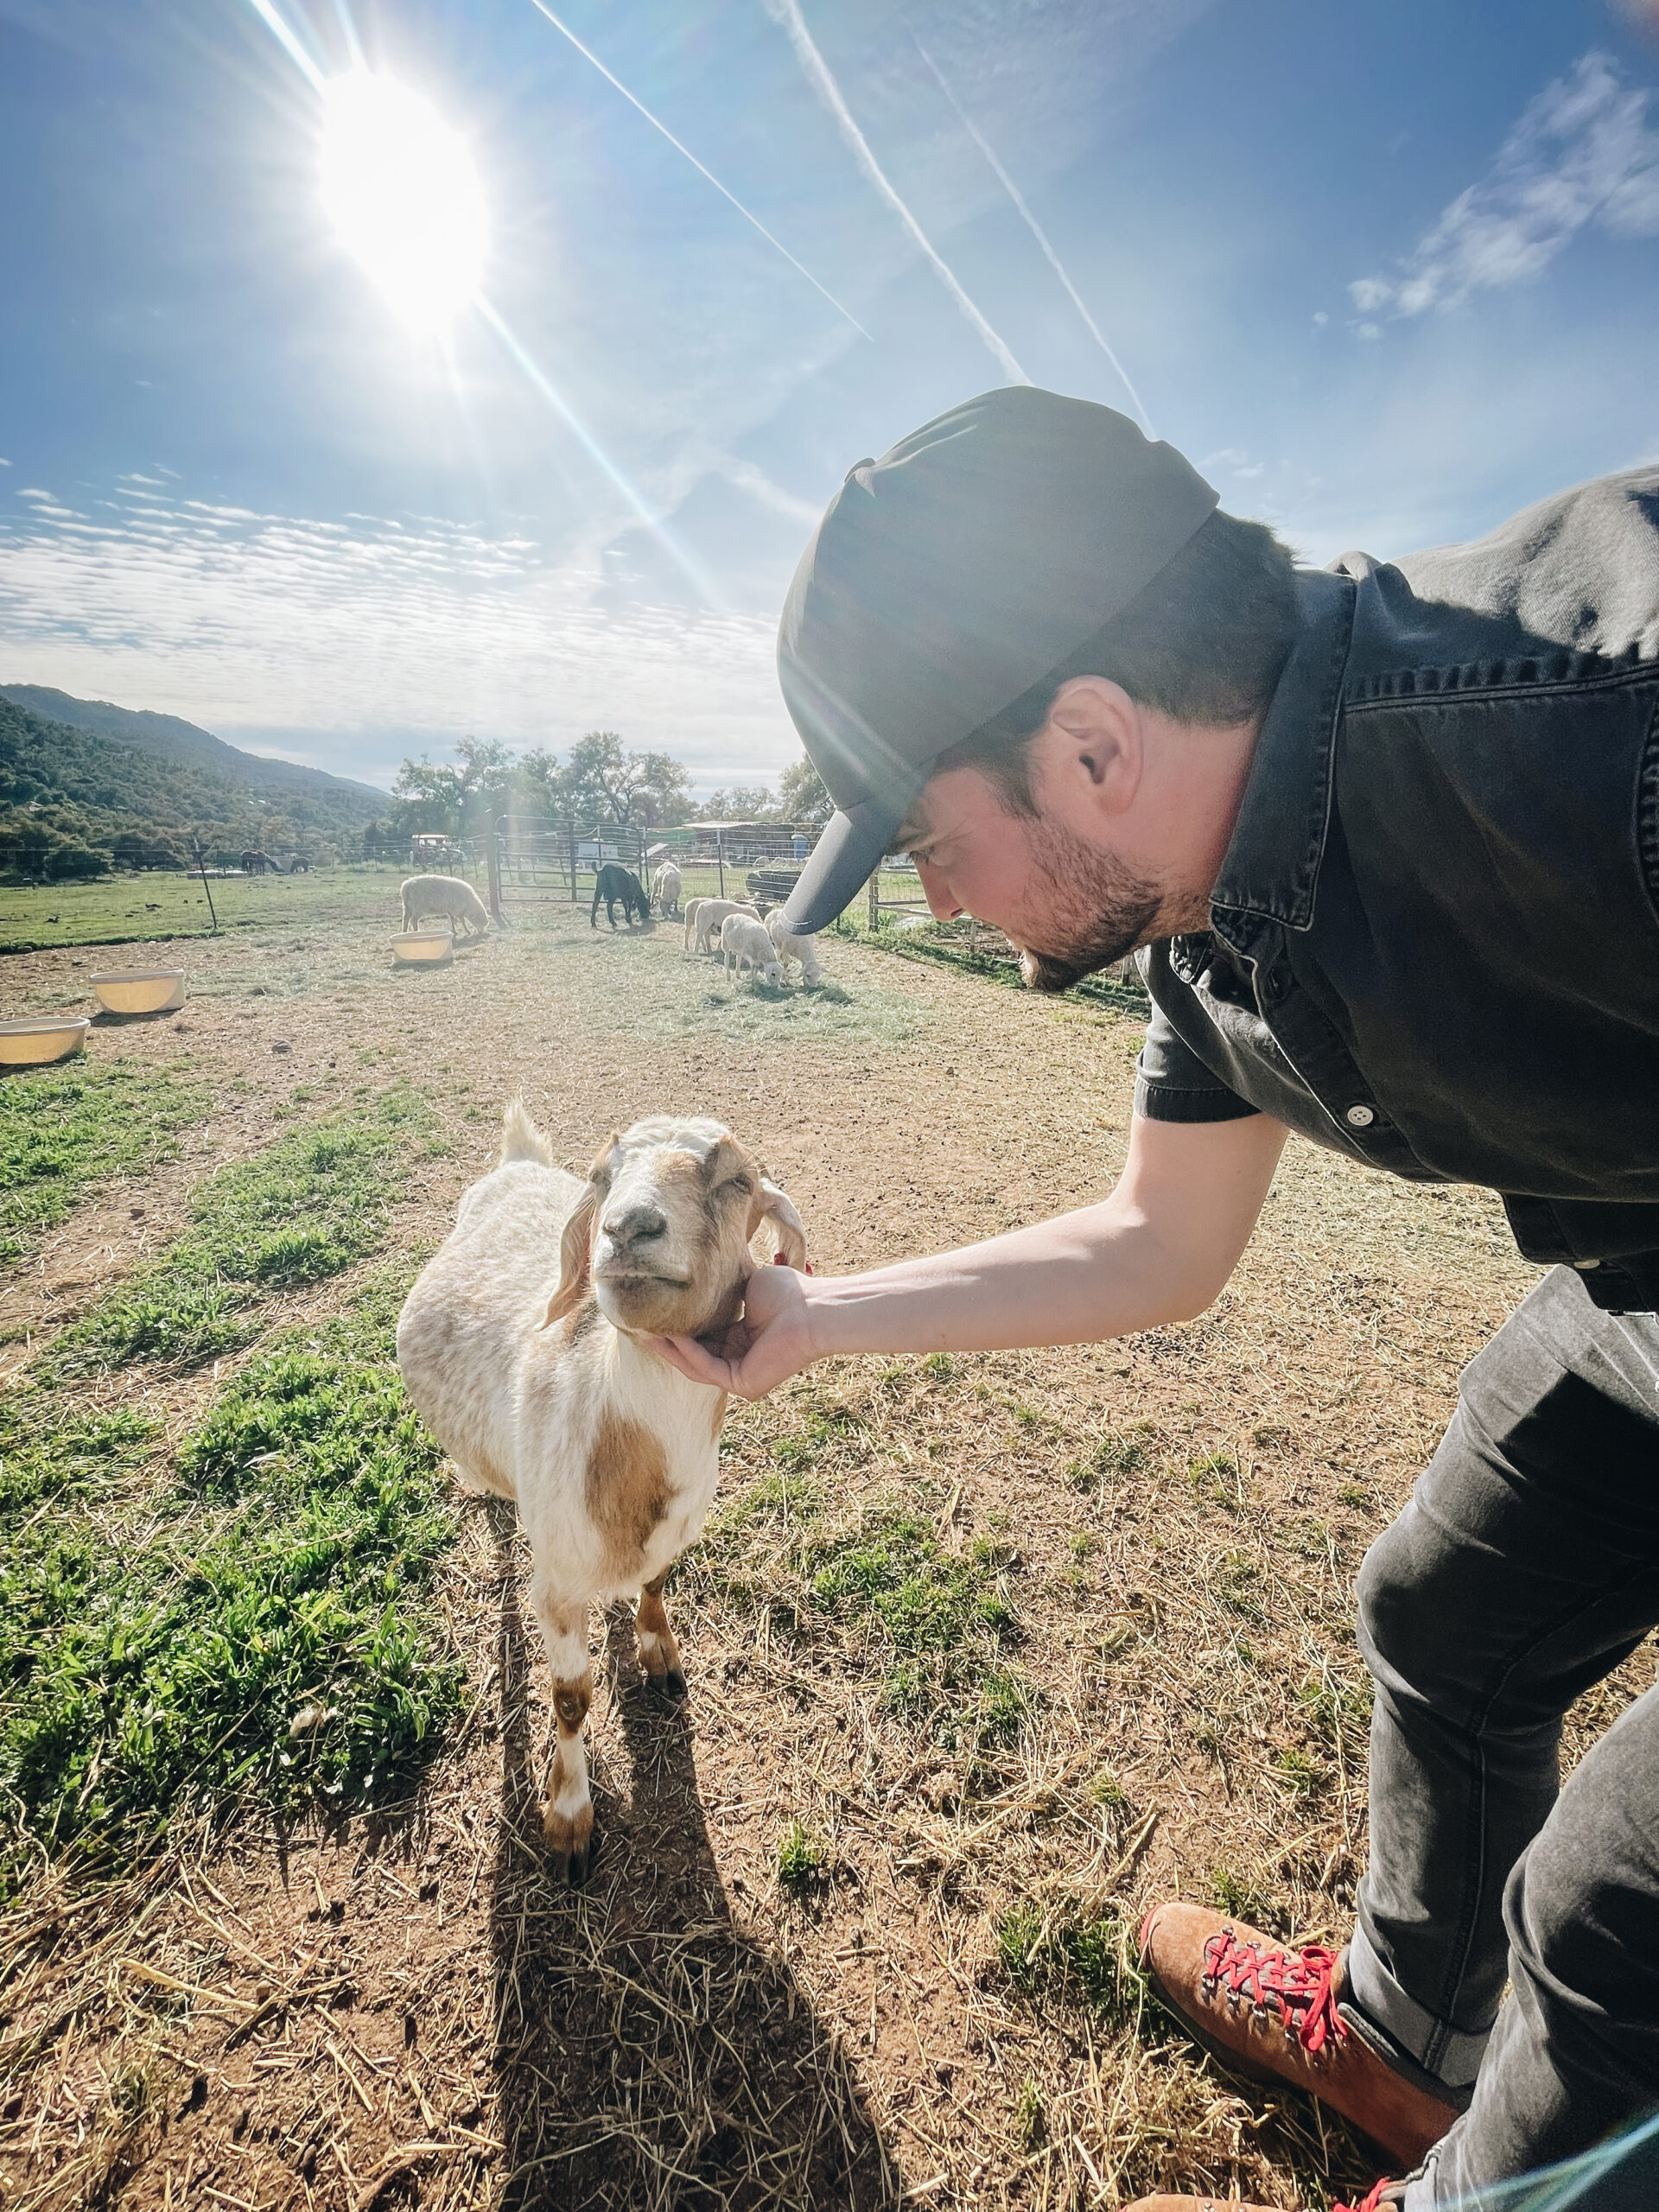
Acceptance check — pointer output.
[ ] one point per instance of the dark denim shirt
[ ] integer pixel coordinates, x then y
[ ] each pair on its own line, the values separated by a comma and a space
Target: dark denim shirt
1435, 937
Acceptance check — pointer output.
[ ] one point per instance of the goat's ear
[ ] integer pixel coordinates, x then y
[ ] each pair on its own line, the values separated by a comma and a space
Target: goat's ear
776, 1207
576, 1245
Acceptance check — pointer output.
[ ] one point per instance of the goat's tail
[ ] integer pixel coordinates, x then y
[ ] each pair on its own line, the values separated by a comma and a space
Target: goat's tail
520, 1137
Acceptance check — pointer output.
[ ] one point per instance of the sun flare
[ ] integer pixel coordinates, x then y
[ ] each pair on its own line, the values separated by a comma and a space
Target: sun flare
399, 187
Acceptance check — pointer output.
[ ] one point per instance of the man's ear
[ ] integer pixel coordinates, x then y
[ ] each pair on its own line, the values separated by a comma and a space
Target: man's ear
576, 1244
1096, 727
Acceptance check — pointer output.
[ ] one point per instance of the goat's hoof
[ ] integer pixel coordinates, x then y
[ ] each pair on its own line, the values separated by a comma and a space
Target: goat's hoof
570, 1842
670, 1687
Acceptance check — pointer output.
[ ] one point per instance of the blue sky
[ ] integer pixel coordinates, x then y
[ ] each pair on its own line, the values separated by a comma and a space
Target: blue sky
1385, 274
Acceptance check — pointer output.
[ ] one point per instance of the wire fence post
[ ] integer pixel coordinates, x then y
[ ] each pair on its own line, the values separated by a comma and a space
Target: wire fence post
201, 866
875, 896
720, 858
492, 867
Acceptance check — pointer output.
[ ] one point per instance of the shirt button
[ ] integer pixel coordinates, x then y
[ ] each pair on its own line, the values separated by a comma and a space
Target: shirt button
1360, 1117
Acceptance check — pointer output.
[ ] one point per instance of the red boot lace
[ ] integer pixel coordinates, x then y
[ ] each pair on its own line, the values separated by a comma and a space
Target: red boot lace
1298, 1983
1372, 2201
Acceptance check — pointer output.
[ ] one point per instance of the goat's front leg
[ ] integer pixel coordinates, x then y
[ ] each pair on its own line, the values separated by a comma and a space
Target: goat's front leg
568, 1821
660, 1654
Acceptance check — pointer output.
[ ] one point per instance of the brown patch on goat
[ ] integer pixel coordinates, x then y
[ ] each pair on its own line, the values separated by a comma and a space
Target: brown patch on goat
660, 1653
626, 1490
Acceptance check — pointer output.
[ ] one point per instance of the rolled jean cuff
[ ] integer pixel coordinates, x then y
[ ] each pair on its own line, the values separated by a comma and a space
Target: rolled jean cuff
1445, 2053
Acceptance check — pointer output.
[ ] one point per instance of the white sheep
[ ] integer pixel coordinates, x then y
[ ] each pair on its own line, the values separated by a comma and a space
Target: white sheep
693, 906
743, 938
665, 889
711, 914
447, 895
790, 947
526, 1346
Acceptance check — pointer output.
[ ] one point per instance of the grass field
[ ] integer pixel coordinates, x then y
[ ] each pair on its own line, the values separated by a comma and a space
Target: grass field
987, 1655
157, 905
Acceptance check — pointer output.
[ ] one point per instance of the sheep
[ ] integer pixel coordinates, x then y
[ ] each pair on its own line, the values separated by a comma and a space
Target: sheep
742, 937
526, 1348
665, 889
693, 907
791, 947
447, 895
712, 913
613, 883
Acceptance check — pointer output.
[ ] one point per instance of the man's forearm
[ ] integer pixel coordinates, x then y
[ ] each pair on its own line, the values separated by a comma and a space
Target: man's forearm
1158, 1250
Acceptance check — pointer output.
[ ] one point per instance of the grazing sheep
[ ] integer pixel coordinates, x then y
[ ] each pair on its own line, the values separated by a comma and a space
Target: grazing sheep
743, 938
447, 895
665, 889
712, 914
526, 1346
693, 908
613, 883
790, 947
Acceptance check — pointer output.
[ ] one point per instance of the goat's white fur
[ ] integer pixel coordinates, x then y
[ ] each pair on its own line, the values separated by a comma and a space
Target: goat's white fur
711, 913
525, 1345
743, 939
665, 888
447, 895
790, 947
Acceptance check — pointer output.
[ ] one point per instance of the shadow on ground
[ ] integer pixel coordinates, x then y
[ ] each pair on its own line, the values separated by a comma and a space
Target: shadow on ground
648, 2053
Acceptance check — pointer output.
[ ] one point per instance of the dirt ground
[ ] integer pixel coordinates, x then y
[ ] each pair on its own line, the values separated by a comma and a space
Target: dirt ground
406, 2010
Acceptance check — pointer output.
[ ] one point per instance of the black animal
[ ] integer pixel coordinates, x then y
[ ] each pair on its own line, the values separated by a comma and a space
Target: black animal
613, 883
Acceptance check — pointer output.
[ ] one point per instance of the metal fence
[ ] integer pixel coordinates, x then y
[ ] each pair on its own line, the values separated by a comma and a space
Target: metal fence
532, 861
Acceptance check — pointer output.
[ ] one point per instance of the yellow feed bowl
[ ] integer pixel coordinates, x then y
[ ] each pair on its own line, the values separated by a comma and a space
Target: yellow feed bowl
140, 990
48, 1037
423, 948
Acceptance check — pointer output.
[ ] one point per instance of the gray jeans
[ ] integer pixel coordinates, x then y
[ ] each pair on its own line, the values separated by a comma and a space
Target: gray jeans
1524, 1569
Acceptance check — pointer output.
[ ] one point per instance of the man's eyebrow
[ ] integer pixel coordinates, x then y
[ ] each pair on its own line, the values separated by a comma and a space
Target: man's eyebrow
913, 829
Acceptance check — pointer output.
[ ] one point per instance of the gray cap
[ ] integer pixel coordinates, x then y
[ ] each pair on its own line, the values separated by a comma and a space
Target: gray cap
945, 580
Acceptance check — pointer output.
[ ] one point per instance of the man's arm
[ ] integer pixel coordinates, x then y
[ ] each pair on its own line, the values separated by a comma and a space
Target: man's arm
1158, 1250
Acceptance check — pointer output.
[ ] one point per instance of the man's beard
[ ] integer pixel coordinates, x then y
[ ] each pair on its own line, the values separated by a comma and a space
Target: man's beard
1099, 911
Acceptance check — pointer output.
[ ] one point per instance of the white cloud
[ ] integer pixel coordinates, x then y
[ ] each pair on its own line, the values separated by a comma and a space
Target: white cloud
238, 619
1581, 154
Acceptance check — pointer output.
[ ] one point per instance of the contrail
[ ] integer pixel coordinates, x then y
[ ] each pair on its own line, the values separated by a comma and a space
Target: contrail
596, 452
586, 52
788, 13
1037, 231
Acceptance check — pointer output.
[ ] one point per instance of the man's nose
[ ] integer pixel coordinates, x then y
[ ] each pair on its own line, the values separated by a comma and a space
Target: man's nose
635, 1224
936, 892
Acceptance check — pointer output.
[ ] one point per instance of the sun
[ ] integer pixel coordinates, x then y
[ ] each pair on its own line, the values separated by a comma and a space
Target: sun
399, 187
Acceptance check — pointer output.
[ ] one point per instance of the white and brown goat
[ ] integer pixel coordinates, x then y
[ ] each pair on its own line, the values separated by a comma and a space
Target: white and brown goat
525, 1346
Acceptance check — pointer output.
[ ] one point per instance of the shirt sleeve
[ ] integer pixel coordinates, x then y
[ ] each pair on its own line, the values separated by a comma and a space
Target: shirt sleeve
1173, 1083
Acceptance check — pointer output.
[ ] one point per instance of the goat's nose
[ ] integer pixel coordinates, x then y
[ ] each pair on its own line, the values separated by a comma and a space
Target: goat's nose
633, 1224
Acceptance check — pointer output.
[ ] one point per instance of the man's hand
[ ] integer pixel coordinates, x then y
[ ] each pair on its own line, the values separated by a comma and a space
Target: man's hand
769, 1341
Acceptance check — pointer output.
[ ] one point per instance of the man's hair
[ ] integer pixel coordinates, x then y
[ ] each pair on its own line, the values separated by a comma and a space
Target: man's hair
1205, 642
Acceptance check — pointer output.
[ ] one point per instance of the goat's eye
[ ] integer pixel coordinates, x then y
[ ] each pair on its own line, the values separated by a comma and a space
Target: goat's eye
742, 1185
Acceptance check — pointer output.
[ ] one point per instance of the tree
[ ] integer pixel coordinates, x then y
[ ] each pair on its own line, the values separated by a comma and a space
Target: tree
603, 782
438, 800
801, 794
742, 803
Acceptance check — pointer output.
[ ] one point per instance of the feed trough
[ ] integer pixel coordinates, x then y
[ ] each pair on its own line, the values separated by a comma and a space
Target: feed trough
139, 990
46, 1037
422, 948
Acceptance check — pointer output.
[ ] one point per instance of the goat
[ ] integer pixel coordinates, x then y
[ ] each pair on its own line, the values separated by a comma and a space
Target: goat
613, 883
665, 889
711, 914
447, 895
741, 937
536, 1374
791, 947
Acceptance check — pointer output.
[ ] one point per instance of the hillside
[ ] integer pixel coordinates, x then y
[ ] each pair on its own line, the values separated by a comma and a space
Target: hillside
71, 801
168, 738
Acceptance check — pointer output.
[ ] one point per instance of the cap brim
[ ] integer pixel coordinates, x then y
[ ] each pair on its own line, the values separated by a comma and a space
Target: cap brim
844, 859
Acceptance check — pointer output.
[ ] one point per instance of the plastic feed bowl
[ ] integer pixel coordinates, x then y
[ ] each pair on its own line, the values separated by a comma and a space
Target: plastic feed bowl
48, 1037
423, 948
139, 990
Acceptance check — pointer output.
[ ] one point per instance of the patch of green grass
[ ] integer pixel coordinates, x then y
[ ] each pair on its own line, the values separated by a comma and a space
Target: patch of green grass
803, 1860
1215, 1479
1232, 1581
1087, 1960
1030, 2120
261, 1623
60, 1134
1336, 1709
1304, 1775
1241, 1900
308, 1207
52, 1448
1112, 1459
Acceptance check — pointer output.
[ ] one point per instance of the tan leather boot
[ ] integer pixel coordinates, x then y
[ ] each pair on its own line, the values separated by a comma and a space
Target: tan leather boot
1272, 2013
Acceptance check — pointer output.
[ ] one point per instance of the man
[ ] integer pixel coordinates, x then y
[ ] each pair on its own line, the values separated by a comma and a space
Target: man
1387, 839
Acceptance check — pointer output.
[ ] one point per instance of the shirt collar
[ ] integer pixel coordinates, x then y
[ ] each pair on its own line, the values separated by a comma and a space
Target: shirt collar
1273, 863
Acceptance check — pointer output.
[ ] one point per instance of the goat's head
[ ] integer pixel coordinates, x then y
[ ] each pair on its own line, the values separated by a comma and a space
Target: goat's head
661, 1233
